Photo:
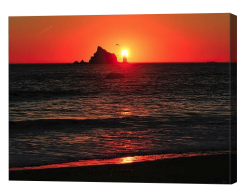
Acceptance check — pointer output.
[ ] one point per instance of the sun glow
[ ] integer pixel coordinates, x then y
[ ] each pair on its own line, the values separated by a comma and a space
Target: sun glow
125, 53
126, 160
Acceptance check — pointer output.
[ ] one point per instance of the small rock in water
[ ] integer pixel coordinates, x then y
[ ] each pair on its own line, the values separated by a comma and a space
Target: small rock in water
115, 76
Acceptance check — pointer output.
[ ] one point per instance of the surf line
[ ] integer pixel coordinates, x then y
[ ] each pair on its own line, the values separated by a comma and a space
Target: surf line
121, 160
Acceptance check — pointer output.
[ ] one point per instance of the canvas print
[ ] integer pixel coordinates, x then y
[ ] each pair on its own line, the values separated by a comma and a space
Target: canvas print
123, 98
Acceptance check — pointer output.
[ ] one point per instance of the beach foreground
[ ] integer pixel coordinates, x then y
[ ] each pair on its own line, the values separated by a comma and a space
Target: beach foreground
200, 169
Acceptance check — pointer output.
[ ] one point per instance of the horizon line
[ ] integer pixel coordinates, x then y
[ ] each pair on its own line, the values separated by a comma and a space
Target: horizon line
120, 62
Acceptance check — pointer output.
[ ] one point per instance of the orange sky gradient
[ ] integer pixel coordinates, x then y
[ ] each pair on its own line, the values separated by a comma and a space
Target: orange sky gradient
148, 38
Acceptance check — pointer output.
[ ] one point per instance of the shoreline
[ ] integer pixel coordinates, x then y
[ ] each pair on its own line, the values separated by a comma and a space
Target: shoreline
197, 169
118, 160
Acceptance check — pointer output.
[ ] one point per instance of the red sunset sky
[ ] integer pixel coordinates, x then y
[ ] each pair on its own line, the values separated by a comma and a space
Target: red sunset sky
148, 38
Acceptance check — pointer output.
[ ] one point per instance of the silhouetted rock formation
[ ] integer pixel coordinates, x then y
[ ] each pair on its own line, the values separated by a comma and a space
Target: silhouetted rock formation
211, 62
82, 62
101, 56
115, 76
125, 60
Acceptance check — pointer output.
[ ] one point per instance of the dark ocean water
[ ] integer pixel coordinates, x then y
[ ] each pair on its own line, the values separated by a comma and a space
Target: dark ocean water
62, 113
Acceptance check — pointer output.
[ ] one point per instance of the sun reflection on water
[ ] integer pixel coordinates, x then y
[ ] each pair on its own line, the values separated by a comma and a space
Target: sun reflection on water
128, 159
123, 160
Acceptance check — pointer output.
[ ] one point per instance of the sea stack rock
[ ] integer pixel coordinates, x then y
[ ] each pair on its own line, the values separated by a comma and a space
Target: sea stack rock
82, 62
101, 56
125, 60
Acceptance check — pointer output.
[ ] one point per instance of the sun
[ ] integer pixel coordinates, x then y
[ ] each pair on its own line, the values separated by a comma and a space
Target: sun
125, 53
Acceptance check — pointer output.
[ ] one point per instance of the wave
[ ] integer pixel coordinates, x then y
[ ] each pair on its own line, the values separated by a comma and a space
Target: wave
120, 160
48, 124
137, 122
38, 95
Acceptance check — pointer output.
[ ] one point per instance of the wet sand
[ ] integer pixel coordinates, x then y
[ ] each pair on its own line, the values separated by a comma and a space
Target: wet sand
200, 169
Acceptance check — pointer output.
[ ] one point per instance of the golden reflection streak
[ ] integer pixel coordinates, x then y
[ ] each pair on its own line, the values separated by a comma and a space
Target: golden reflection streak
126, 160
123, 160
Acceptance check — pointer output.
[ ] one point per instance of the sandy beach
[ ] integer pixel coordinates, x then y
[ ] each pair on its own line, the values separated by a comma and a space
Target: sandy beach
200, 169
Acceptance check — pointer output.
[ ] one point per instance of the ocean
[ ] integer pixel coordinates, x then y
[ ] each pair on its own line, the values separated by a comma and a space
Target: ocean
63, 113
